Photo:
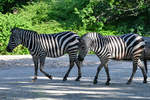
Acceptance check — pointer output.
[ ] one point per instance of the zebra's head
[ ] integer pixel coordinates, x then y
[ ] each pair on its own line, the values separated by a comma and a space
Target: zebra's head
83, 48
14, 40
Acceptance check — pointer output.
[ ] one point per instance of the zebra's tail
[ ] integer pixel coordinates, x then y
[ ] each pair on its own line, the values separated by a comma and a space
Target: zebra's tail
145, 61
145, 65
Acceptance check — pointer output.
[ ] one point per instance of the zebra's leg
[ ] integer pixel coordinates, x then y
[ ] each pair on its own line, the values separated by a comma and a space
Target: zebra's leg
42, 61
103, 62
97, 73
140, 64
145, 65
71, 66
107, 72
78, 63
133, 71
35, 60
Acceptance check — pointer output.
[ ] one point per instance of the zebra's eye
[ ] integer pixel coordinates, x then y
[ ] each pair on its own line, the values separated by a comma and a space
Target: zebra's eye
13, 38
83, 47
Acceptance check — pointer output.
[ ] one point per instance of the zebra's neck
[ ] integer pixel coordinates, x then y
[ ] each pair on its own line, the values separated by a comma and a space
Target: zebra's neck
28, 39
92, 42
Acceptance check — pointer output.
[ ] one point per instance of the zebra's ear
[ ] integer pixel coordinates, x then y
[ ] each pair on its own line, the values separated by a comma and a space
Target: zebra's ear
13, 29
80, 40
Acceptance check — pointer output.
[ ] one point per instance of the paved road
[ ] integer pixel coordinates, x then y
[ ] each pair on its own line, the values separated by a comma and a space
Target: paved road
16, 73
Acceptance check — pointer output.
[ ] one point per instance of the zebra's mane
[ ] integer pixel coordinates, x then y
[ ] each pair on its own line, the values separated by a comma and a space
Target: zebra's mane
88, 34
23, 30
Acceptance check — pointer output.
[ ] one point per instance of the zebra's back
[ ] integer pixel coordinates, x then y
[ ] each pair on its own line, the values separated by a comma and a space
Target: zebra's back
125, 46
135, 44
56, 45
116, 47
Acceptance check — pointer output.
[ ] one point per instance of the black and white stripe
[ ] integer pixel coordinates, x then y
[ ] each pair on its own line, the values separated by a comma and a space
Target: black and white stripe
113, 47
46, 45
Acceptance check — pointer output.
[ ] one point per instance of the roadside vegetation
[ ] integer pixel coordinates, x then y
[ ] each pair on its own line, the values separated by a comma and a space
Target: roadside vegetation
108, 17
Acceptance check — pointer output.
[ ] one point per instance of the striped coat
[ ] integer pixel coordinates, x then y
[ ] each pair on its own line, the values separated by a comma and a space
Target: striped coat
113, 47
46, 45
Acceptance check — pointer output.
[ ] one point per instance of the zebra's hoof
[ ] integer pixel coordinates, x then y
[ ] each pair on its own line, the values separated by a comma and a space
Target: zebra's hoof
50, 77
64, 79
95, 82
107, 83
33, 80
128, 83
144, 81
78, 78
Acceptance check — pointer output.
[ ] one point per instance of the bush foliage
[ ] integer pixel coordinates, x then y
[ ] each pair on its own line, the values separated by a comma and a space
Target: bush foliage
109, 17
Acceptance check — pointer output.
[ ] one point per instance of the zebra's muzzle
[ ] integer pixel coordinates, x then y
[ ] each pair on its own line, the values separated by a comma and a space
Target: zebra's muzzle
80, 59
8, 49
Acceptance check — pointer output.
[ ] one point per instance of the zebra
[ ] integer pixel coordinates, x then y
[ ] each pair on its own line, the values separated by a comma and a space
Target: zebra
41, 46
113, 47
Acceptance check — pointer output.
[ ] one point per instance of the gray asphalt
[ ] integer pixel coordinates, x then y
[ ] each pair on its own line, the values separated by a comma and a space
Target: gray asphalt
16, 73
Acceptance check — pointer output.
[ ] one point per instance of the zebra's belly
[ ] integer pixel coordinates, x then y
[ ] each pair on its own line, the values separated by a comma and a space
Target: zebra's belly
54, 54
47, 54
117, 57
123, 57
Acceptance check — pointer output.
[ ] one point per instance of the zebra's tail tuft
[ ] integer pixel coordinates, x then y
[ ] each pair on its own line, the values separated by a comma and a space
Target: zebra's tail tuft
145, 65
145, 62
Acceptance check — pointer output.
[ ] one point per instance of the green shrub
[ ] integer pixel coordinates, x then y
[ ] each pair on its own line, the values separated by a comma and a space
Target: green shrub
7, 22
10, 5
126, 16
108, 17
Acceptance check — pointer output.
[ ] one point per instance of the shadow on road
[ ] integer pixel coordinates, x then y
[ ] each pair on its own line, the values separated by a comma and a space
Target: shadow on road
16, 75
10, 89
